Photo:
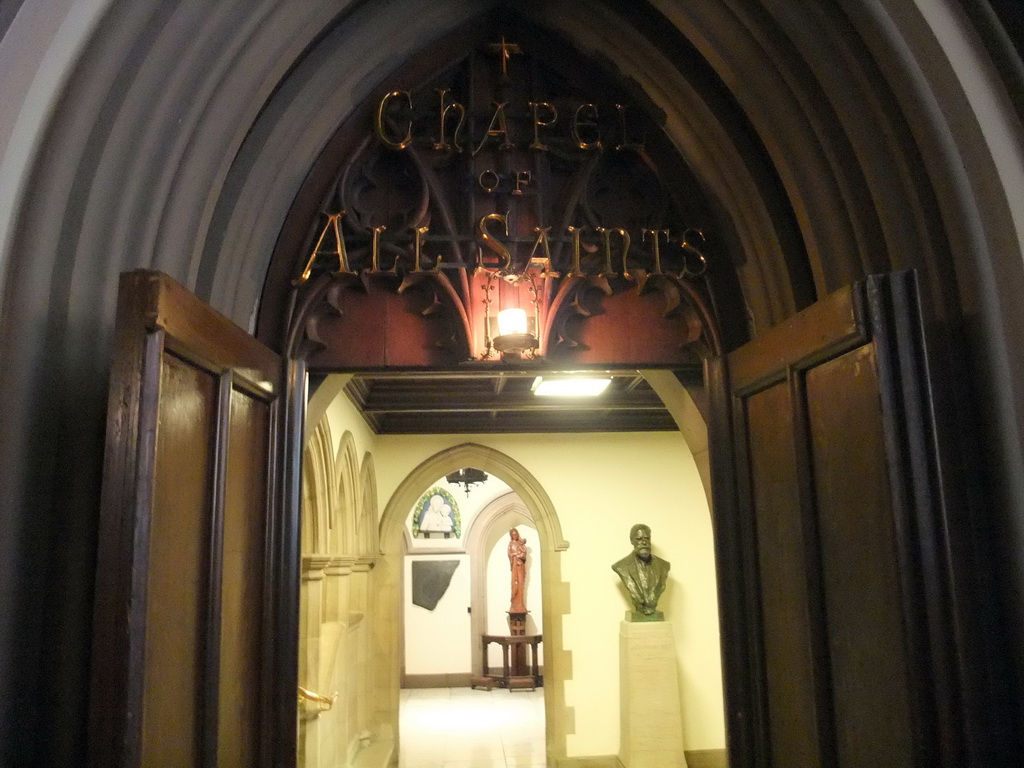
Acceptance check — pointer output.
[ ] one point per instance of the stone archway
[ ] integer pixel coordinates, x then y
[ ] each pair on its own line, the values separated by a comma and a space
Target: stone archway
555, 592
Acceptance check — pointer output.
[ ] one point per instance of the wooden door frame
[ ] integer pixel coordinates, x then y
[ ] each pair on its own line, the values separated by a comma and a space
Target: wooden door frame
282, 652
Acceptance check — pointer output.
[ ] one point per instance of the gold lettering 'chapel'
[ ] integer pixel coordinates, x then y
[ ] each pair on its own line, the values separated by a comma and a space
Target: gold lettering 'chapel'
584, 125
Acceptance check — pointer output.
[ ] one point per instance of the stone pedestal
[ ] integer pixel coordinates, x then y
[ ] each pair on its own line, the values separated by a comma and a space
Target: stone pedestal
651, 723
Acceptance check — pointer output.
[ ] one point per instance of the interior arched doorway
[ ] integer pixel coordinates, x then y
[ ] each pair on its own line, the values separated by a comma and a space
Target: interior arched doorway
552, 545
498, 517
477, 538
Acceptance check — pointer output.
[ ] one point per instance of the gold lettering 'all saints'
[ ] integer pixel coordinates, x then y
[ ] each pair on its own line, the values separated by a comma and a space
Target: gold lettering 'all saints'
490, 228
490, 240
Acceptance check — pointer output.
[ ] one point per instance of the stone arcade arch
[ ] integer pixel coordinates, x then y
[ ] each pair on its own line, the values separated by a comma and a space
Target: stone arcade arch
339, 524
172, 136
552, 544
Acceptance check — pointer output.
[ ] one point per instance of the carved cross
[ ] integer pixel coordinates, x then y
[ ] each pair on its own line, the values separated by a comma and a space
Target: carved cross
506, 50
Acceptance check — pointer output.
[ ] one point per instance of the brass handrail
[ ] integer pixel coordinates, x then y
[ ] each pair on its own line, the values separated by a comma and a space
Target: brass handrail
325, 702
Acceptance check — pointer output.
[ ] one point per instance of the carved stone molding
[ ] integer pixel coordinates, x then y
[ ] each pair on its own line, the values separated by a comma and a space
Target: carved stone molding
314, 567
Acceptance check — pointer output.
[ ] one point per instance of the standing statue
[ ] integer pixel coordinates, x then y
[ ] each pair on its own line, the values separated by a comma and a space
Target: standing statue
643, 574
517, 562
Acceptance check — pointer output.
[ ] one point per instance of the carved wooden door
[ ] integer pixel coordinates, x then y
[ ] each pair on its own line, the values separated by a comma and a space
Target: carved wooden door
828, 538
193, 656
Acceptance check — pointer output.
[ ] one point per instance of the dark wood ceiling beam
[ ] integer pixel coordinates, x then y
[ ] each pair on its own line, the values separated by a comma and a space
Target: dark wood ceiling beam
429, 402
490, 371
484, 423
500, 401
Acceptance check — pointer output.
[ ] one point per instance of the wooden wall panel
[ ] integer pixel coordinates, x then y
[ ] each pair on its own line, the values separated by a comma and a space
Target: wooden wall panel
176, 589
379, 327
631, 328
867, 647
782, 569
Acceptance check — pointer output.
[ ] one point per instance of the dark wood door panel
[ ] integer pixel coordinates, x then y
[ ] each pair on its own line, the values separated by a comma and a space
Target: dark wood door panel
782, 570
863, 602
826, 506
243, 584
176, 588
183, 658
821, 331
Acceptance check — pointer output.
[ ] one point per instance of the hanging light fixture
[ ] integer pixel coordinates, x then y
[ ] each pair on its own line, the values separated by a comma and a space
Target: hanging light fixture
513, 336
509, 330
511, 322
467, 477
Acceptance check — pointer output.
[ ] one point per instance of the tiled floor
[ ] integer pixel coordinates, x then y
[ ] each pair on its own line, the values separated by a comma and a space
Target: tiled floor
463, 728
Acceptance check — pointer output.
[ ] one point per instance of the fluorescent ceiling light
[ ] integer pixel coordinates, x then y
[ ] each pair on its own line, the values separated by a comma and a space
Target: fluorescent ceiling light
570, 386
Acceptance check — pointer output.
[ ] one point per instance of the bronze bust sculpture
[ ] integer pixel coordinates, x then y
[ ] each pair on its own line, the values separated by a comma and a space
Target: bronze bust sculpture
644, 575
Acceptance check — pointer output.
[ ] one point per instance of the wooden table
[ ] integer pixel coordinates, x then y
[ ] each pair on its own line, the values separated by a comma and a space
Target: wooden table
509, 678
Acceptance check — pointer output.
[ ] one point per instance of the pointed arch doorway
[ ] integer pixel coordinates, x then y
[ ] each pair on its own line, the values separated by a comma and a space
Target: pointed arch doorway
184, 256
489, 539
551, 546
750, 680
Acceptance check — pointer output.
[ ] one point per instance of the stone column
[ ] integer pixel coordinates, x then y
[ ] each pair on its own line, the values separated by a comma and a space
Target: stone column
310, 609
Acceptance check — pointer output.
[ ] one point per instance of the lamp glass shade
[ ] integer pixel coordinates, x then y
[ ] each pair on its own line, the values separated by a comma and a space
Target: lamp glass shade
511, 321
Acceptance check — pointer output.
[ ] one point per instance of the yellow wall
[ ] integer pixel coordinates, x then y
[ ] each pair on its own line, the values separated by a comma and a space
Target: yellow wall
344, 417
